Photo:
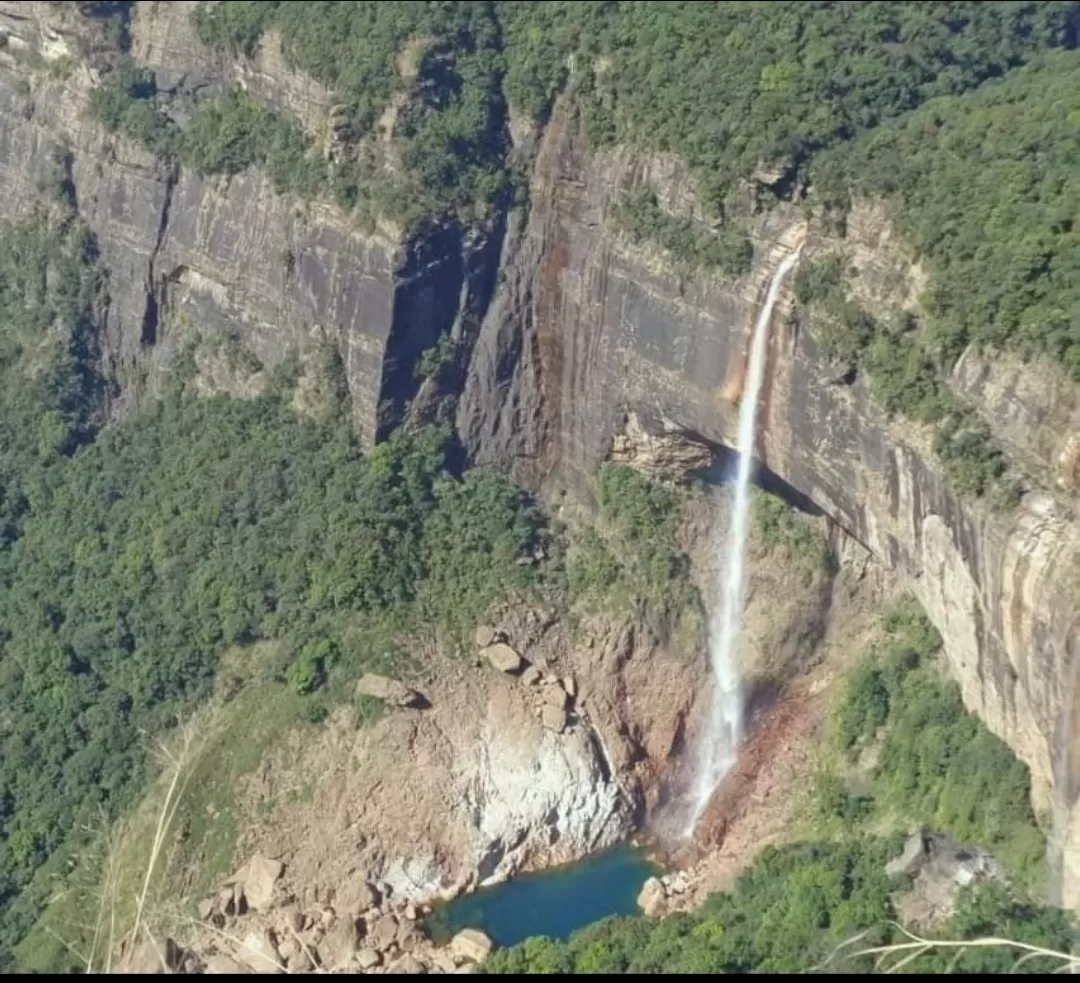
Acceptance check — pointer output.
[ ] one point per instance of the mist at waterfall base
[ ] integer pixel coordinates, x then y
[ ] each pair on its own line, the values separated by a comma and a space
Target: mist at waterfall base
554, 902
723, 731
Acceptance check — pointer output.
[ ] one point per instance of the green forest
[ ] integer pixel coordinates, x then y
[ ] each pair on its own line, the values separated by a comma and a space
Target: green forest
133, 554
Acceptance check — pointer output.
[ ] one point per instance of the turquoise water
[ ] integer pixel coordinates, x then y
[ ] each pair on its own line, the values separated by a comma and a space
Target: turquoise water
552, 902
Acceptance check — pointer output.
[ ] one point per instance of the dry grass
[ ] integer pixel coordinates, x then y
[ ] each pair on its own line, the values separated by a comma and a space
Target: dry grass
897, 956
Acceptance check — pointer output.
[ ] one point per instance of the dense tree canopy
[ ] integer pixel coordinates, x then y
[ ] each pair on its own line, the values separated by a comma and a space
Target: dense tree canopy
130, 562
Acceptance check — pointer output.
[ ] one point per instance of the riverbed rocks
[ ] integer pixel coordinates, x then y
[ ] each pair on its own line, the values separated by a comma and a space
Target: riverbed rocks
279, 937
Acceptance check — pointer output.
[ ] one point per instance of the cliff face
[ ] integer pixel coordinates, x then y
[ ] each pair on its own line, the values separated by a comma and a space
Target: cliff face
578, 328
587, 329
231, 259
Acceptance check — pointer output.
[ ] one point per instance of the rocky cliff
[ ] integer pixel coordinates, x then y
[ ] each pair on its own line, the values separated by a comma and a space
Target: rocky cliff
588, 329
217, 262
578, 328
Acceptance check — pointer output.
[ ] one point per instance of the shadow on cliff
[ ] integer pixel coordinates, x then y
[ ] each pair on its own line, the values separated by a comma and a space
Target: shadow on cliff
725, 464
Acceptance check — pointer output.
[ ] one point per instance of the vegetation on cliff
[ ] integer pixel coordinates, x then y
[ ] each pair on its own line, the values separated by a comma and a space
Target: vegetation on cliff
987, 188
904, 377
632, 558
935, 764
131, 559
906, 748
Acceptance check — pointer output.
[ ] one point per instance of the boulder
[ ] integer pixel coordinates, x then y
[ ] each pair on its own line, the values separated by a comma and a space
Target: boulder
152, 958
339, 944
206, 909
259, 953
257, 879
300, 962
442, 959
488, 635
652, 898
408, 964
569, 684
555, 696
368, 958
225, 902
383, 931
553, 718
530, 676
357, 896
409, 937
293, 919
472, 945
503, 657
913, 857
391, 691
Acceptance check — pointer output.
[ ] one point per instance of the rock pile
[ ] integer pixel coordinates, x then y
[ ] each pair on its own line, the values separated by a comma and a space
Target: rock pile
257, 927
554, 696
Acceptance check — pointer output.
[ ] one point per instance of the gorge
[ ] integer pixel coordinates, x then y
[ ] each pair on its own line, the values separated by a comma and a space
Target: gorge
554, 342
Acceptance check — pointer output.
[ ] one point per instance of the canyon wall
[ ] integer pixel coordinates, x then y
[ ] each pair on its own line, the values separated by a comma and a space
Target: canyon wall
588, 328
578, 327
220, 261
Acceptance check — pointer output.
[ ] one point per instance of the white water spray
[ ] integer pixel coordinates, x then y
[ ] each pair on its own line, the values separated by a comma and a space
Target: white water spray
724, 729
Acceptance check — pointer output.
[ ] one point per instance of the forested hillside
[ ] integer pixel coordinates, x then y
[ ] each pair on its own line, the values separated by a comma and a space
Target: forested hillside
134, 553
131, 558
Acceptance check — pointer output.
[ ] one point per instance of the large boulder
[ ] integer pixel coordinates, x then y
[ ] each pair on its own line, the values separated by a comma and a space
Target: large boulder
912, 859
368, 958
339, 944
408, 964
652, 898
391, 691
471, 944
383, 931
554, 695
487, 635
258, 877
503, 657
553, 718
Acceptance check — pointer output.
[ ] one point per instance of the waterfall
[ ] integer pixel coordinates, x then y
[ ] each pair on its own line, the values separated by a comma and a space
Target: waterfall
723, 731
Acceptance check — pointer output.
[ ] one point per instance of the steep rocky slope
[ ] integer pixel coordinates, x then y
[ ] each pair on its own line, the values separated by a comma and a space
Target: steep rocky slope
588, 328
577, 328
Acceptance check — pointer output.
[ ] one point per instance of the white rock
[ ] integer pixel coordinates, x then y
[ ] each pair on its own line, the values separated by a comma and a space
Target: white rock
652, 898
259, 953
471, 944
368, 959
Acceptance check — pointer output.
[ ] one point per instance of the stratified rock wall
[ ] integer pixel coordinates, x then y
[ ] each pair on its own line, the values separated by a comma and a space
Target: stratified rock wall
588, 329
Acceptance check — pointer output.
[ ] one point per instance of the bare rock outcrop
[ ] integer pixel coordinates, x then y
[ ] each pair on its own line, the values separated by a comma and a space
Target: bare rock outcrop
653, 897
390, 691
502, 657
471, 944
